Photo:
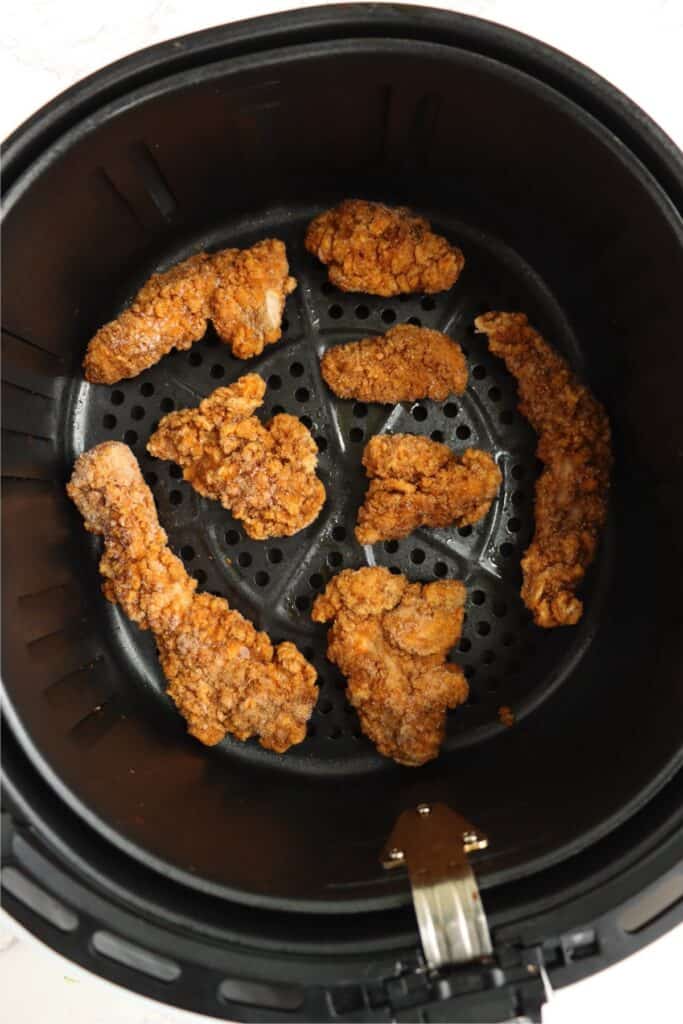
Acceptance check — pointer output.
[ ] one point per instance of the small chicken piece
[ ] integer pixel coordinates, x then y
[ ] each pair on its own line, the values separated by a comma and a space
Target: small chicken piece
382, 250
574, 446
242, 291
405, 364
417, 482
223, 675
390, 639
265, 475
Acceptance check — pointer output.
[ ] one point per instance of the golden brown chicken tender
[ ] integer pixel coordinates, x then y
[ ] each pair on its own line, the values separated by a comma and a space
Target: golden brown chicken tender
265, 475
418, 482
242, 291
382, 250
574, 446
222, 674
390, 639
403, 365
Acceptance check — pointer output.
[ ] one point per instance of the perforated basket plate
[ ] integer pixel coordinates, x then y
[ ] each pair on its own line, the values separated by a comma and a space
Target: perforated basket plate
507, 660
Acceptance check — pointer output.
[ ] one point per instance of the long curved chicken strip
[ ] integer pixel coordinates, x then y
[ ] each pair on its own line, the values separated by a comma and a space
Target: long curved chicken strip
390, 638
418, 482
574, 446
382, 250
242, 291
223, 675
403, 365
265, 475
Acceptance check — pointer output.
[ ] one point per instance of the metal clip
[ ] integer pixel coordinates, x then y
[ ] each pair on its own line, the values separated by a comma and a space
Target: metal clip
433, 841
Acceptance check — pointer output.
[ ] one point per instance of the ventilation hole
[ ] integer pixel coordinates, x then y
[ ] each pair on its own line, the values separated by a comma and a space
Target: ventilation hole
508, 639
478, 596
517, 498
275, 556
117, 397
301, 394
217, 371
450, 409
274, 382
195, 359
339, 533
507, 416
388, 316
470, 671
130, 437
362, 312
187, 553
285, 324
360, 410
465, 645
356, 434
327, 288
167, 405
419, 413
506, 550
109, 421
464, 531
309, 653
514, 525
199, 575
440, 569
428, 303
335, 732
316, 581
499, 609
302, 602
495, 394
296, 370
244, 559
518, 472
321, 443
175, 497
277, 410
483, 628
306, 421
437, 435
479, 372
176, 472
417, 556
262, 579
391, 546
335, 558
415, 321
395, 570
232, 537
335, 311
488, 657
151, 478
324, 707
311, 729
463, 432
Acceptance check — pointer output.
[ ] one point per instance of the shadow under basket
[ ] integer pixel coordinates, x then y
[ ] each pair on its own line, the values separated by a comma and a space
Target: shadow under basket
231, 880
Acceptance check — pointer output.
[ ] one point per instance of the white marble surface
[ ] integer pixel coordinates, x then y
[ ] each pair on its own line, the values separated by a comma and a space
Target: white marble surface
46, 46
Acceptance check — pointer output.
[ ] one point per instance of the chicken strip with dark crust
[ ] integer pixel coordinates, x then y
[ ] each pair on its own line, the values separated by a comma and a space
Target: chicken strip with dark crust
574, 447
242, 291
418, 482
390, 639
265, 474
382, 250
403, 365
223, 675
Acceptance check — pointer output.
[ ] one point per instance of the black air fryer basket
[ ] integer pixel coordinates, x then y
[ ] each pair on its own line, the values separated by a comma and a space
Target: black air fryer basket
238, 882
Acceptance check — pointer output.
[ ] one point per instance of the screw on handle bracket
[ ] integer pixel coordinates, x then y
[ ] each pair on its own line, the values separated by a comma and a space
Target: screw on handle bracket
433, 842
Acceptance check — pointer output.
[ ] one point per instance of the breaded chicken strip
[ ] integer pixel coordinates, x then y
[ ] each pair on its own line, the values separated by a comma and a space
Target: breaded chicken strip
242, 291
265, 475
417, 482
222, 674
390, 638
382, 250
405, 364
574, 446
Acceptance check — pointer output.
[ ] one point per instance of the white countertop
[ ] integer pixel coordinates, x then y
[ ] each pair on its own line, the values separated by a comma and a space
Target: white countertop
47, 46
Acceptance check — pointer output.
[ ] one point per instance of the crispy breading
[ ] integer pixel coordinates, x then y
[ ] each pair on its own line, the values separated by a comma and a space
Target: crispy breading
382, 250
574, 446
390, 639
418, 482
265, 475
224, 676
242, 291
403, 365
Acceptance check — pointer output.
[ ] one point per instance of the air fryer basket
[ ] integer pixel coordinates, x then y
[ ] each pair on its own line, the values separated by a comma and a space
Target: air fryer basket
243, 134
